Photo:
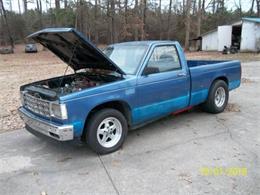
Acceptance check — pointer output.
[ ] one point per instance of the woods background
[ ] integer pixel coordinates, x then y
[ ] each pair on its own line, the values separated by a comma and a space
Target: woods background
110, 21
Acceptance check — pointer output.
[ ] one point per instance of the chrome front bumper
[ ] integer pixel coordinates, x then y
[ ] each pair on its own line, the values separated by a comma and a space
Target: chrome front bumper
58, 132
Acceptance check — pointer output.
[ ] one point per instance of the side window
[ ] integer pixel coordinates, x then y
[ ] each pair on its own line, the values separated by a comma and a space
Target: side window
163, 59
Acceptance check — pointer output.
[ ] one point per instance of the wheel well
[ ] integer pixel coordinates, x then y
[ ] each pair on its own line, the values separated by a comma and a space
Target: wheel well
121, 106
223, 78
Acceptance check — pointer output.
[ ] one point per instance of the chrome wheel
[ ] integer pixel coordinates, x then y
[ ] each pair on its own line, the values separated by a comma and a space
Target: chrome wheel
220, 97
109, 132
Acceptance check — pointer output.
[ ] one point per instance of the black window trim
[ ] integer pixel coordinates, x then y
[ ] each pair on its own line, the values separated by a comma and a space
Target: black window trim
180, 68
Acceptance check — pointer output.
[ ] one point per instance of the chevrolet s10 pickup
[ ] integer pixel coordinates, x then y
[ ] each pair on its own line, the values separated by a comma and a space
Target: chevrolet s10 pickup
122, 87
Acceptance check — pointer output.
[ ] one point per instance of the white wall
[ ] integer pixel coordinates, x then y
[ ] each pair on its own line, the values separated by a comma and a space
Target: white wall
224, 36
250, 31
257, 36
210, 41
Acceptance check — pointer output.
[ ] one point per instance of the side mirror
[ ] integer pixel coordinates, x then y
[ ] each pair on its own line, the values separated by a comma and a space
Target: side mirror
150, 70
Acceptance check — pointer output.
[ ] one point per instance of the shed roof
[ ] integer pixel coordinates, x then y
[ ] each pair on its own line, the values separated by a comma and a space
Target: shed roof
211, 31
252, 19
256, 20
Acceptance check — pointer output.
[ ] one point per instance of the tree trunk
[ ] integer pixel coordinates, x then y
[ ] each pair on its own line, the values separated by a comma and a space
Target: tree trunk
252, 7
203, 9
65, 4
57, 4
126, 10
108, 23
95, 22
239, 6
169, 19
187, 27
136, 4
81, 18
183, 7
19, 7
143, 30
7, 25
213, 6
25, 6
194, 7
198, 24
113, 29
39, 10
160, 19
136, 23
258, 7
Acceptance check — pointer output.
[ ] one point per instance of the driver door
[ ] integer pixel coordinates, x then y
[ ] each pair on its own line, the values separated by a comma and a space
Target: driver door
163, 87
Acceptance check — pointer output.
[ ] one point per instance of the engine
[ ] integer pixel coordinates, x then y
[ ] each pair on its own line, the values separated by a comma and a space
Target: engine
77, 84
52, 88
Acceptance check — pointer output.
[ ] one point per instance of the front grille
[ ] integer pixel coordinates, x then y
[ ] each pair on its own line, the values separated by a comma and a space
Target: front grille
36, 105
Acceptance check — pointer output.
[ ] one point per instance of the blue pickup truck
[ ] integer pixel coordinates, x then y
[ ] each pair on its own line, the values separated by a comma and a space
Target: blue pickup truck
122, 87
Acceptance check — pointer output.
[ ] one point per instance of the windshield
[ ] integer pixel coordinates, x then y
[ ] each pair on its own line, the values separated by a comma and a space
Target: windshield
126, 57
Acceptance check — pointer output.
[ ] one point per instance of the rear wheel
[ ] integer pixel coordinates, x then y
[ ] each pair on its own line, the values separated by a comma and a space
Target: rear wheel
106, 131
217, 98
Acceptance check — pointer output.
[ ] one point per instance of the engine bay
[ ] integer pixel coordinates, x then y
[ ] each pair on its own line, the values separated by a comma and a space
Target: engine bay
71, 84
53, 88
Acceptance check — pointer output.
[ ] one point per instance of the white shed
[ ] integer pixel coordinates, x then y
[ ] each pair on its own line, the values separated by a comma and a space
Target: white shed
210, 41
244, 34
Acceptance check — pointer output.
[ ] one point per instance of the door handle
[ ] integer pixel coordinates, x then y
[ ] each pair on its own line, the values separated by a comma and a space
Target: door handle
182, 74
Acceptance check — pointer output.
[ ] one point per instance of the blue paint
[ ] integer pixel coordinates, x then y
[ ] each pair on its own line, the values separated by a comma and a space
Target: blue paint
151, 111
234, 84
152, 96
78, 127
198, 97
157, 109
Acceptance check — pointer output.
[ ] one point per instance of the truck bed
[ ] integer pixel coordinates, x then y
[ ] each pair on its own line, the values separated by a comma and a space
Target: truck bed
195, 63
204, 72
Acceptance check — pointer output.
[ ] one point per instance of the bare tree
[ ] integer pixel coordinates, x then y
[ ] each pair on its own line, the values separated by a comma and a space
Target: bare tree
3, 11
108, 21
113, 30
169, 19
258, 7
252, 7
213, 6
126, 11
136, 4
95, 22
57, 4
19, 7
239, 7
65, 4
187, 24
25, 8
199, 21
160, 19
143, 16
39, 10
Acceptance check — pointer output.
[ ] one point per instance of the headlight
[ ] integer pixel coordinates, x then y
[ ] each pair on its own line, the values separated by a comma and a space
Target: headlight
58, 111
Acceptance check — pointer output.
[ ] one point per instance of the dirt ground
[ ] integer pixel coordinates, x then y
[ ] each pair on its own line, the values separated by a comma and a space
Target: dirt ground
20, 68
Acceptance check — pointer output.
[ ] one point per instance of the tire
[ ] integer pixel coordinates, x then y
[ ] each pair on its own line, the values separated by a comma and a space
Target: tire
106, 131
212, 105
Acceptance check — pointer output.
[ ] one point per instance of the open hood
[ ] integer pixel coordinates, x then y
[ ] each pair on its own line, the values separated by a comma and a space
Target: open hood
74, 49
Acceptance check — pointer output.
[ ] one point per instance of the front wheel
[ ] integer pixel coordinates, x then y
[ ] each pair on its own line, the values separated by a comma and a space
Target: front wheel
106, 131
217, 98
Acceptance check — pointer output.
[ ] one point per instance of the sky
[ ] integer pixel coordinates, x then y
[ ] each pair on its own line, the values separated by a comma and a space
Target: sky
231, 4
